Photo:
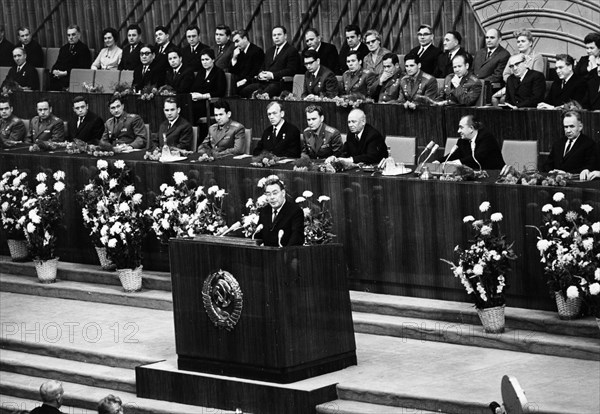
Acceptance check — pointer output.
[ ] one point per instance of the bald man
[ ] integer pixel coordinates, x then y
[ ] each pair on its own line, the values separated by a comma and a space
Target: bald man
51, 393
364, 143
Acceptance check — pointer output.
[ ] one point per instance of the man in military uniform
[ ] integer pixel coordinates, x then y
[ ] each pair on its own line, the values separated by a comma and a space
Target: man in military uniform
123, 129
319, 140
386, 88
12, 129
462, 87
45, 126
355, 79
319, 81
226, 136
175, 131
416, 83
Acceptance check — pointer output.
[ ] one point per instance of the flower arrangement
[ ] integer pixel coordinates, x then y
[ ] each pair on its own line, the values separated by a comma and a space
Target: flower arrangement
265, 159
186, 210
317, 219
148, 92
121, 89
167, 90
91, 88
569, 247
510, 175
14, 192
112, 212
335, 164
482, 266
42, 214
249, 221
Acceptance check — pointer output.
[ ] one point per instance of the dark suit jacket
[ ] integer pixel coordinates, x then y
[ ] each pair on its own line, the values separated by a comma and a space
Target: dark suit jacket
290, 219
370, 149
285, 144
35, 54
580, 157
248, 64
490, 69
46, 409
155, 75
81, 58
592, 97
527, 93
287, 62
182, 83
443, 67
325, 84
28, 77
487, 152
130, 60
223, 59
363, 51
581, 67
429, 58
192, 60
328, 55
573, 90
6, 49
179, 135
161, 59
90, 130
215, 83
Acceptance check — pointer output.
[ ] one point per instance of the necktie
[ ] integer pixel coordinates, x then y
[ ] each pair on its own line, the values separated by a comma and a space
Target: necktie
145, 70
276, 52
71, 48
79, 121
568, 147
161, 50
131, 48
489, 53
421, 51
274, 216
274, 133
192, 50
169, 126
562, 85
220, 49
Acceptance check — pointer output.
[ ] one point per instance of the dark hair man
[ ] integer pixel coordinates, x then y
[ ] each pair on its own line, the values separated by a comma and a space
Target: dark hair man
84, 125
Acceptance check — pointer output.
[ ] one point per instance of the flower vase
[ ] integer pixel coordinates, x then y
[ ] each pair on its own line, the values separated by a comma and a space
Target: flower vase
568, 308
105, 262
18, 250
46, 270
492, 319
131, 279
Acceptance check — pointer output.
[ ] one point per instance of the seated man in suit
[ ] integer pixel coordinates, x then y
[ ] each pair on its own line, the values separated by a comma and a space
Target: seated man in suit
319, 140
12, 129
476, 148
326, 52
175, 131
461, 88
179, 76
148, 74
386, 87
416, 83
568, 87
224, 47
319, 81
35, 54
51, 393
575, 151
353, 44
525, 87
364, 143
426, 51
281, 138
130, 60
280, 60
226, 136
489, 62
73, 55
282, 220
22, 73
356, 80
162, 47
191, 53
452, 48
246, 59
45, 126
124, 130
85, 126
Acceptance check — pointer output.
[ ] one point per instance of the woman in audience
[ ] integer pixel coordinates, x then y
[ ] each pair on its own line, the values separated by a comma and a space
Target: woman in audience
533, 60
210, 81
110, 56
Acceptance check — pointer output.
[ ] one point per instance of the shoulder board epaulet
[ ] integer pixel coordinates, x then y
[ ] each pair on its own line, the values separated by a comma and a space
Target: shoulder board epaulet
329, 129
427, 76
131, 115
235, 124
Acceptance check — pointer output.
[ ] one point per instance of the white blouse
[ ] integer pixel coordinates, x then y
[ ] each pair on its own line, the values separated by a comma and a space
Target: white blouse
108, 59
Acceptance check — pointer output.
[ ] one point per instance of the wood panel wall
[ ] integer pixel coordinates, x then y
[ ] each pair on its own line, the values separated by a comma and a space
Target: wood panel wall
397, 20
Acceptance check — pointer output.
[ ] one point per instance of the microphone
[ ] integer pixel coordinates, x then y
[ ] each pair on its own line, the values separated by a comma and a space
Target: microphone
452, 151
427, 148
433, 151
235, 226
279, 237
258, 228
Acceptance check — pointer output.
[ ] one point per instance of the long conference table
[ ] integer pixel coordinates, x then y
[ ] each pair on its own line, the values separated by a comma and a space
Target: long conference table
394, 229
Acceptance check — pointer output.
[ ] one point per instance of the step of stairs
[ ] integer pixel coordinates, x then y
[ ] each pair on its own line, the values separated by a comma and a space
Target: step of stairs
356, 407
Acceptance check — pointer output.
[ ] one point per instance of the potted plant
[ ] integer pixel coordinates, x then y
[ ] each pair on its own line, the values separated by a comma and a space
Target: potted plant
568, 244
42, 215
14, 191
483, 265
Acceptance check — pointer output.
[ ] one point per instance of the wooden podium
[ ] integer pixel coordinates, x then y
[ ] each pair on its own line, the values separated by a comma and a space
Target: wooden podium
265, 313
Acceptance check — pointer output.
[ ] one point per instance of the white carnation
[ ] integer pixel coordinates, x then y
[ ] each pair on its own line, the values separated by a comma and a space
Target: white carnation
587, 208
323, 198
543, 245
558, 197
557, 210
596, 227
496, 217
468, 219
179, 177
120, 164
478, 269
547, 208
300, 199
103, 175
112, 243
594, 289
41, 177
59, 186
129, 190
307, 194
40, 189
583, 230
30, 227
59, 175
102, 165
572, 291
485, 206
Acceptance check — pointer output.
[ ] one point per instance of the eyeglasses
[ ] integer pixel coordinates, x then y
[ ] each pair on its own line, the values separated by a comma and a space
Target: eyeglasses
423, 34
309, 63
145, 53
515, 64
370, 41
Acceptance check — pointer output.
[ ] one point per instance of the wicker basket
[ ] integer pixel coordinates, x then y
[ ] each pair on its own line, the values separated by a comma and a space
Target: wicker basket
131, 279
492, 319
46, 270
105, 262
568, 308
18, 250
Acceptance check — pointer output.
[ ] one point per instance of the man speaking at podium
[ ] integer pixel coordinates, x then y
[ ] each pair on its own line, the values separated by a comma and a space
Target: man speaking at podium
282, 221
